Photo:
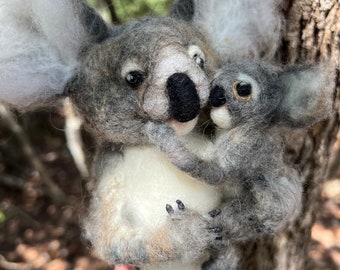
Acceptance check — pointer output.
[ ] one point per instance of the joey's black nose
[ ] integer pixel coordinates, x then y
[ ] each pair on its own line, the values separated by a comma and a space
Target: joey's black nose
183, 97
217, 96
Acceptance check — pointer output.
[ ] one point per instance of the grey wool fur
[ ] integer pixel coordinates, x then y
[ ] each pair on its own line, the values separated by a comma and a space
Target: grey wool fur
127, 221
154, 207
251, 102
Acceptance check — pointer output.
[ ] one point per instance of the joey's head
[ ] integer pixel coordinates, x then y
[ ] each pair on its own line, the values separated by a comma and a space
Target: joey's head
152, 69
244, 93
256, 93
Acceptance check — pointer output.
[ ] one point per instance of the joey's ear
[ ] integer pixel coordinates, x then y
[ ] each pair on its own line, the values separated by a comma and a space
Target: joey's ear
308, 94
40, 45
183, 9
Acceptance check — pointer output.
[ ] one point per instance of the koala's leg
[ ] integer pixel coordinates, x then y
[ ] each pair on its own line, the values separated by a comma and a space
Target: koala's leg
278, 198
184, 237
263, 208
119, 235
107, 226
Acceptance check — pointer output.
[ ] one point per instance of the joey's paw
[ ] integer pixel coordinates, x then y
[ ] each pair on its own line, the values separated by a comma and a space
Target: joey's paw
260, 226
263, 229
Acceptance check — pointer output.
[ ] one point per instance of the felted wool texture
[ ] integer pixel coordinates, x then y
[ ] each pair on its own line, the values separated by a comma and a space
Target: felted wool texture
245, 28
39, 45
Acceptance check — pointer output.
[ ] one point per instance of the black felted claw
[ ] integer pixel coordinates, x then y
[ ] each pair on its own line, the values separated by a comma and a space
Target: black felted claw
260, 228
169, 209
181, 205
215, 229
215, 213
262, 179
252, 218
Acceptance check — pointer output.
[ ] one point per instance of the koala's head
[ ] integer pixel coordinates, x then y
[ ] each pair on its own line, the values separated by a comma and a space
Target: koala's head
256, 93
152, 69
118, 78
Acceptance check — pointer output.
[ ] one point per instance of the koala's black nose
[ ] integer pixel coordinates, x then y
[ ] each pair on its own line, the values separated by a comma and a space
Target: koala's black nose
183, 97
217, 96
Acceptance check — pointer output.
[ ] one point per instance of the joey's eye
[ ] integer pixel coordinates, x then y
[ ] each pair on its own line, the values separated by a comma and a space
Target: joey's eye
135, 78
199, 61
242, 91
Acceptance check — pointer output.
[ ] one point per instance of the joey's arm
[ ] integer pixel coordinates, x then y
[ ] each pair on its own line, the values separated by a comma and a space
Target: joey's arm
177, 151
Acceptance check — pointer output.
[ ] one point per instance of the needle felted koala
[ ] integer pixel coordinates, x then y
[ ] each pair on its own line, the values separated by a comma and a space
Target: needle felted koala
250, 102
154, 69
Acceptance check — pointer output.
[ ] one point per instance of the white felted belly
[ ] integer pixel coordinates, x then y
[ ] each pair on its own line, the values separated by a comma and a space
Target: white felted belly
148, 182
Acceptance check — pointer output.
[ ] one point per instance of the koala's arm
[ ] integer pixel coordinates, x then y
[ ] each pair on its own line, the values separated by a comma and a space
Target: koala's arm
198, 163
117, 235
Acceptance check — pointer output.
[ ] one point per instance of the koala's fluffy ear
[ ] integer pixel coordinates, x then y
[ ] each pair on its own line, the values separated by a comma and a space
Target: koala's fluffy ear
242, 28
308, 94
183, 9
40, 44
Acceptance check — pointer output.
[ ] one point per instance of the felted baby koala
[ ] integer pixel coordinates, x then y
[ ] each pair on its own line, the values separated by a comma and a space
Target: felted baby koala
250, 102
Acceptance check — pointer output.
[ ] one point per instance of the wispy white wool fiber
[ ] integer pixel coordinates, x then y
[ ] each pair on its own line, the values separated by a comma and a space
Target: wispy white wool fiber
242, 28
39, 43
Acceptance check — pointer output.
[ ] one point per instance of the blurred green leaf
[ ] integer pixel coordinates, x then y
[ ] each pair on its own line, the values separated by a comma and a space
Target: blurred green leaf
3, 217
132, 9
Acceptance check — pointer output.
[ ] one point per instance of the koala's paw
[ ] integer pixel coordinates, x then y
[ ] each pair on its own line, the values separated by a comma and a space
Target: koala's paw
157, 132
194, 230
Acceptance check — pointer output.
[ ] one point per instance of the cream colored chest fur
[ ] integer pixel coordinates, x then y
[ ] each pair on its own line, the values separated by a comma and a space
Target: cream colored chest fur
147, 181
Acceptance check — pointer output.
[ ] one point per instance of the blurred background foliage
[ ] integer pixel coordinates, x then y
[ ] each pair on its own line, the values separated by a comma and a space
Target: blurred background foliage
121, 11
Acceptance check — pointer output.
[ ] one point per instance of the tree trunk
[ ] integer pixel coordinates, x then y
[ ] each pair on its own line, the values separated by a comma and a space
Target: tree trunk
312, 34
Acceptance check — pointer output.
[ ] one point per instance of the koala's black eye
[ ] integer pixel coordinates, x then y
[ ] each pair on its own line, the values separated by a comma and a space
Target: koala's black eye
135, 78
242, 91
199, 61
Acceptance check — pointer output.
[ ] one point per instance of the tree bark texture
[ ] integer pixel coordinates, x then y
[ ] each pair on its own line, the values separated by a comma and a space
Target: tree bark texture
312, 34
